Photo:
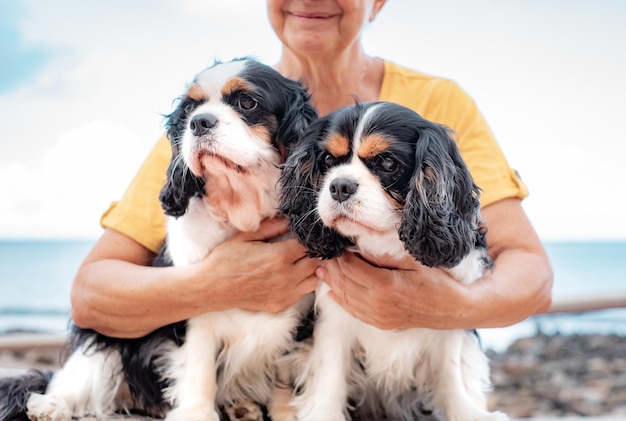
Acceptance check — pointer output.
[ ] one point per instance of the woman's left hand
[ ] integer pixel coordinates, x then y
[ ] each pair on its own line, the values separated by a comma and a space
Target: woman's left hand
407, 295
412, 295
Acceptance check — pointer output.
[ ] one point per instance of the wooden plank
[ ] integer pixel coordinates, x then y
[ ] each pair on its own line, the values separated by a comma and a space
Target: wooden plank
582, 304
21, 341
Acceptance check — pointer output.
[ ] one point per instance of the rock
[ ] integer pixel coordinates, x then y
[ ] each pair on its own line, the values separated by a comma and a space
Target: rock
574, 375
548, 376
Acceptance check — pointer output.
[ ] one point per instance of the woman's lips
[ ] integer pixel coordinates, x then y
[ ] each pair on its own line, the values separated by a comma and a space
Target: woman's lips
312, 15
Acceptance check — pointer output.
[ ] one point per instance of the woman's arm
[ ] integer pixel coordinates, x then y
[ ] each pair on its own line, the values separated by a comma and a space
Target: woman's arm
118, 293
413, 295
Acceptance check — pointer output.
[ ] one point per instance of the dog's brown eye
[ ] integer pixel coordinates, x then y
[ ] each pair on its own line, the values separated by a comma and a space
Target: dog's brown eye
247, 103
328, 160
189, 107
387, 164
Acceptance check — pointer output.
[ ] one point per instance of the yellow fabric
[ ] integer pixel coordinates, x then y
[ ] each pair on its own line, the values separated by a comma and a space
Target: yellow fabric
138, 213
443, 101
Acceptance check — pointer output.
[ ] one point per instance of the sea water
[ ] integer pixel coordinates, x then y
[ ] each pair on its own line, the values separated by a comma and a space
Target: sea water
36, 276
35, 281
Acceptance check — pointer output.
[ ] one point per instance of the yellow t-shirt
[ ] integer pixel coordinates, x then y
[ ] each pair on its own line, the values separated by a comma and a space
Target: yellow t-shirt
443, 101
138, 213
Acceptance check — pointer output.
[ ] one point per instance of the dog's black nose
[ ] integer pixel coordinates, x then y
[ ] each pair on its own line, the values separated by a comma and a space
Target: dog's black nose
201, 124
342, 188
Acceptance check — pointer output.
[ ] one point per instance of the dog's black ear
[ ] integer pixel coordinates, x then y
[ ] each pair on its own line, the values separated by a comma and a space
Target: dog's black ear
441, 215
180, 185
175, 124
299, 113
300, 184
15, 391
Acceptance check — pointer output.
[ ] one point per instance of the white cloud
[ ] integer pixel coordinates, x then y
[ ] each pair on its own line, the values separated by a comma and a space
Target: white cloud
65, 192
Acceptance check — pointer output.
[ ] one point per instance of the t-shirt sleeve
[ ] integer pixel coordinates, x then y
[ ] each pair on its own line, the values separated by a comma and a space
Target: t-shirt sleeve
444, 101
479, 148
138, 214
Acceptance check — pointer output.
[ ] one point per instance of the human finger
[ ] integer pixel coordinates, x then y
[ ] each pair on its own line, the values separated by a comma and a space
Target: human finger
268, 229
306, 285
406, 262
358, 270
344, 289
365, 304
303, 264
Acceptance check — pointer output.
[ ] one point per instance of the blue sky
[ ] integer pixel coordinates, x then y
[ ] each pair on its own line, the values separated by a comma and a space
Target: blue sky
20, 62
84, 85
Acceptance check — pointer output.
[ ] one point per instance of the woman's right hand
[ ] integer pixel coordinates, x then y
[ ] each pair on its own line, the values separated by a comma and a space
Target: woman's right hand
256, 271
117, 292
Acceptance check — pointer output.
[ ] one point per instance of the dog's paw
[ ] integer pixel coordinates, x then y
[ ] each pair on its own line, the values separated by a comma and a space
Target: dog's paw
47, 408
287, 413
494, 416
318, 416
195, 413
244, 411
486, 416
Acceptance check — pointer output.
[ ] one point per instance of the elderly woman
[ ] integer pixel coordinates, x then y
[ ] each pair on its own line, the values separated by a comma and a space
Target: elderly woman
117, 292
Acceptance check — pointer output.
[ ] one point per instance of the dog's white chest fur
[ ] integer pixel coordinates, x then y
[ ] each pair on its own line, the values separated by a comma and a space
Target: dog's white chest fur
230, 355
190, 238
351, 358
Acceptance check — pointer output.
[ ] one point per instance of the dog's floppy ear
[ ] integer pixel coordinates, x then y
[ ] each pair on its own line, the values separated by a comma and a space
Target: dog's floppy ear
300, 184
180, 185
299, 113
441, 215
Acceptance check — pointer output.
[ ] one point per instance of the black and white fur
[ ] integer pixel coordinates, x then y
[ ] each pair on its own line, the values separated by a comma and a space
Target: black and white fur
229, 134
378, 179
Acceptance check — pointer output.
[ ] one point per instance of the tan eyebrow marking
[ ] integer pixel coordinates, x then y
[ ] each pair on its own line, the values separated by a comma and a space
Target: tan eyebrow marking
338, 145
373, 145
196, 93
235, 84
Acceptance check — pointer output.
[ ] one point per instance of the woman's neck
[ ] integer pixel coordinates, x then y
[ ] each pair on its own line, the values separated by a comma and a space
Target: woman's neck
335, 82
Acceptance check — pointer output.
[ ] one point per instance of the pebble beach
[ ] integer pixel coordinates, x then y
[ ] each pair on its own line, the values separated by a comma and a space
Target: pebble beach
540, 376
